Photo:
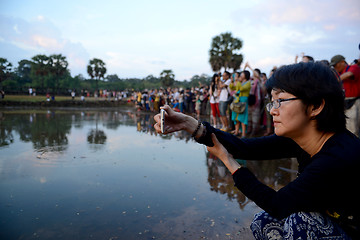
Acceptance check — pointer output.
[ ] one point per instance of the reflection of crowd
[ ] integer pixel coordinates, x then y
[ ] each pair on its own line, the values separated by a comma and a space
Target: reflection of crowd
236, 102
270, 172
221, 181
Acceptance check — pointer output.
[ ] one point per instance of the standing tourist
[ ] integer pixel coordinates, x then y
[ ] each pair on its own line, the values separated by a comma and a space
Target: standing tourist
255, 101
151, 100
188, 100
267, 115
198, 99
181, 100
223, 100
304, 58
214, 98
241, 95
157, 101
350, 77
205, 101
310, 124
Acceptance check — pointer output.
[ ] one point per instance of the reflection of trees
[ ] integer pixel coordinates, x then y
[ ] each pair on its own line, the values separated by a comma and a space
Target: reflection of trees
50, 130
270, 172
6, 136
43, 130
96, 138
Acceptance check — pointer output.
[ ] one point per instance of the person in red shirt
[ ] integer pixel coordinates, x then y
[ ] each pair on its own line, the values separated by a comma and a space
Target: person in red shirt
350, 77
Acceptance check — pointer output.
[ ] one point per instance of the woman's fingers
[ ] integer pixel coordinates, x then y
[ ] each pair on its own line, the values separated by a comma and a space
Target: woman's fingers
157, 118
218, 149
168, 109
157, 126
173, 120
214, 139
215, 142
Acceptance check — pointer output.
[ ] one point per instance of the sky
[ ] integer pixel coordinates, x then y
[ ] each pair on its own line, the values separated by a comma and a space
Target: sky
138, 38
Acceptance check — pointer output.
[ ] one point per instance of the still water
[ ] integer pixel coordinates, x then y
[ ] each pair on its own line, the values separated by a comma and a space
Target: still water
70, 174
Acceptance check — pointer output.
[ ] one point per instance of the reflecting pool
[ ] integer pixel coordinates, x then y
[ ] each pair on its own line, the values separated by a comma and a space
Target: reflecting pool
71, 174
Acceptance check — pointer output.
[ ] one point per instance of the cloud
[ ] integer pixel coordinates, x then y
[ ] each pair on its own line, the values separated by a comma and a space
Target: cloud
274, 32
135, 65
36, 37
314, 11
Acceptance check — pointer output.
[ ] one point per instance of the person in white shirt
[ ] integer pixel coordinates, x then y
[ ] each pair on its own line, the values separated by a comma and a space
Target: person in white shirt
223, 99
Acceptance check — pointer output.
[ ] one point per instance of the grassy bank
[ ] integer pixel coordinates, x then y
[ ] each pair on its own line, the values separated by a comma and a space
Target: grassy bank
27, 98
60, 101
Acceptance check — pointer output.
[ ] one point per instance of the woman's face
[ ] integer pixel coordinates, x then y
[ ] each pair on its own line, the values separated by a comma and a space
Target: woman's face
290, 119
242, 77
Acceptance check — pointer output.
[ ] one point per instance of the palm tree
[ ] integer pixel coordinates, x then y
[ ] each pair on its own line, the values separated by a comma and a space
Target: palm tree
40, 68
96, 69
224, 52
167, 77
23, 71
58, 67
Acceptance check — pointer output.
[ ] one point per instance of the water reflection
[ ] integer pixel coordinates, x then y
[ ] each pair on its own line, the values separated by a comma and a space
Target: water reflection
6, 136
110, 170
221, 181
274, 173
97, 137
47, 132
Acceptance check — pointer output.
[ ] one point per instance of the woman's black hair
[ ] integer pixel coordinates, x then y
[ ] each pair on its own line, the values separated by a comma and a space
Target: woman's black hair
313, 83
213, 81
247, 74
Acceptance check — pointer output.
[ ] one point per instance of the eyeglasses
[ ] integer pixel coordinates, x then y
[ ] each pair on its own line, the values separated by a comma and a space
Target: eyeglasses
277, 103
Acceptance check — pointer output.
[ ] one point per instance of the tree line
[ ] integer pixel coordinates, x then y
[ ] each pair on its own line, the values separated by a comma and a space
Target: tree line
50, 73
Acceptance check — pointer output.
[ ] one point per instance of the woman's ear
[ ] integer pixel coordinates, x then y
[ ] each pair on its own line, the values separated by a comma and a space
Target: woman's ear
316, 109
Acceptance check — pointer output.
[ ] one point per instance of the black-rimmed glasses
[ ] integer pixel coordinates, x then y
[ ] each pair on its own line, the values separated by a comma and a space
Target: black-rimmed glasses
277, 103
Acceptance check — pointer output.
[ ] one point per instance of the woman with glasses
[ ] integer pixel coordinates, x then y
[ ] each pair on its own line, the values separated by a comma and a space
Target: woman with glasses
307, 106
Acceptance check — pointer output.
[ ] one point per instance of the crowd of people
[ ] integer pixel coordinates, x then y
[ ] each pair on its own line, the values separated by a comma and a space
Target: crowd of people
189, 100
236, 102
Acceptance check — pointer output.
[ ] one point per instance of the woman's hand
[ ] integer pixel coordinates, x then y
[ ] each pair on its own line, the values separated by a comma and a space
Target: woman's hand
218, 149
174, 121
220, 152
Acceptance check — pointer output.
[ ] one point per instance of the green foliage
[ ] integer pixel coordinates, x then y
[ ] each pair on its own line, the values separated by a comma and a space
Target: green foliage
51, 74
5, 70
58, 69
40, 71
23, 72
96, 69
224, 52
167, 77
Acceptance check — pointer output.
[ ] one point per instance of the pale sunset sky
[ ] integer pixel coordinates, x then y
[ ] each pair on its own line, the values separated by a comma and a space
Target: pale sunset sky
138, 38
